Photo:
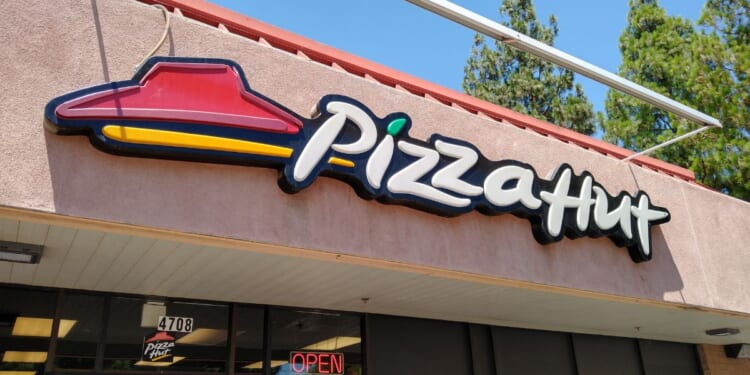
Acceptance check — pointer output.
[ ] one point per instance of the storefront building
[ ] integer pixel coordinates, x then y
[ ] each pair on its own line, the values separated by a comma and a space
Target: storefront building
193, 215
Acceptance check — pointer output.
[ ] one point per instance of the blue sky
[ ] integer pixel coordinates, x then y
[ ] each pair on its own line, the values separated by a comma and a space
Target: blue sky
404, 37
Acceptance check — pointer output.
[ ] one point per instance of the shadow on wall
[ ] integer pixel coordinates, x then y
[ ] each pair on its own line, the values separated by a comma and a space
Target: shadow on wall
225, 200
661, 274
100, 40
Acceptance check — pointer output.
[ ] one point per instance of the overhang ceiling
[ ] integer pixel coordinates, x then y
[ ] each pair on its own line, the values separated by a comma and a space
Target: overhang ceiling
117, 258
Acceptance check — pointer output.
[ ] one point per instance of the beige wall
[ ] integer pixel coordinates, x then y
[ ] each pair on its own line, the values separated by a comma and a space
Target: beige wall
701, 256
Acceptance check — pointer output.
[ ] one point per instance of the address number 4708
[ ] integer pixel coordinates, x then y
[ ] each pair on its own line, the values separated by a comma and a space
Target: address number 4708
175, 324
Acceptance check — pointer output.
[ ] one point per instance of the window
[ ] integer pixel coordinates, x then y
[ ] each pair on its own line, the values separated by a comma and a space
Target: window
321, 337
132, 322
26, 318
661, 357
118, 335
526, 351
78, 348
606, 355
249, 344
401, 345
106, 333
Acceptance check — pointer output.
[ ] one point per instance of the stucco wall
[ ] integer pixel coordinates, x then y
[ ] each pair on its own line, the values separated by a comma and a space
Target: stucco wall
700, 257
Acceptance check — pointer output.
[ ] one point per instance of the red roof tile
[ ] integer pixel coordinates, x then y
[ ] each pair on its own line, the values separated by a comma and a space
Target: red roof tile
236, 23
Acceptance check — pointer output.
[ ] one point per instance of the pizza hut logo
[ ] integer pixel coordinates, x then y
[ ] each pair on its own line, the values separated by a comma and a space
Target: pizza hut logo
204, 110
158, 347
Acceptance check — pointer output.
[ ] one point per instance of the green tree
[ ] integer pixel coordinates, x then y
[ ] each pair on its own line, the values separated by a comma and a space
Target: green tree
705, 66
514, 79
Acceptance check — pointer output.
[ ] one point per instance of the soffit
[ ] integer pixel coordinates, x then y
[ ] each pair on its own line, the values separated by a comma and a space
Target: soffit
181, 266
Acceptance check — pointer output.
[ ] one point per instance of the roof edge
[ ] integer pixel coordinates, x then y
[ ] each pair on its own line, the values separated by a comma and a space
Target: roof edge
239, 24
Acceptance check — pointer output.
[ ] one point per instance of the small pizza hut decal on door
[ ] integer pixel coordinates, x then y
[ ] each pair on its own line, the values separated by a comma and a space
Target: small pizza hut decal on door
204, 110
158, 347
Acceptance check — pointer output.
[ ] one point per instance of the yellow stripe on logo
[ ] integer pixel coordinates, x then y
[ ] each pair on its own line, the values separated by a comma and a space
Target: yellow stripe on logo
204, 142
340, 162
170, 138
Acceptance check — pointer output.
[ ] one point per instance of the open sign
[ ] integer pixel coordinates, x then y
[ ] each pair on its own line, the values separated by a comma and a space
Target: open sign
316, 362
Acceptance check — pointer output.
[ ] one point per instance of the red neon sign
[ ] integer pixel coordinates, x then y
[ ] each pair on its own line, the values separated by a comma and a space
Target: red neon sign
316, 363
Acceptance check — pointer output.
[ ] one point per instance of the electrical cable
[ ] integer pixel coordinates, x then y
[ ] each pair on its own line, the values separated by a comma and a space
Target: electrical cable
167, 25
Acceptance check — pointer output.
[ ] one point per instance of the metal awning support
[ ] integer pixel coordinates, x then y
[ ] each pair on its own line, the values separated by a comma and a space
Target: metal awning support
525, 43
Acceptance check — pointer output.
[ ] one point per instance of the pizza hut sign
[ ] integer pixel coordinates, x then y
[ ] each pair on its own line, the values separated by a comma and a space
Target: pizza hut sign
158, 347
204, 110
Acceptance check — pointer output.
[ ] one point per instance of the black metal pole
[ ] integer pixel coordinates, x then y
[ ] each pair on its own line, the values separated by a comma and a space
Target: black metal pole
50, 364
